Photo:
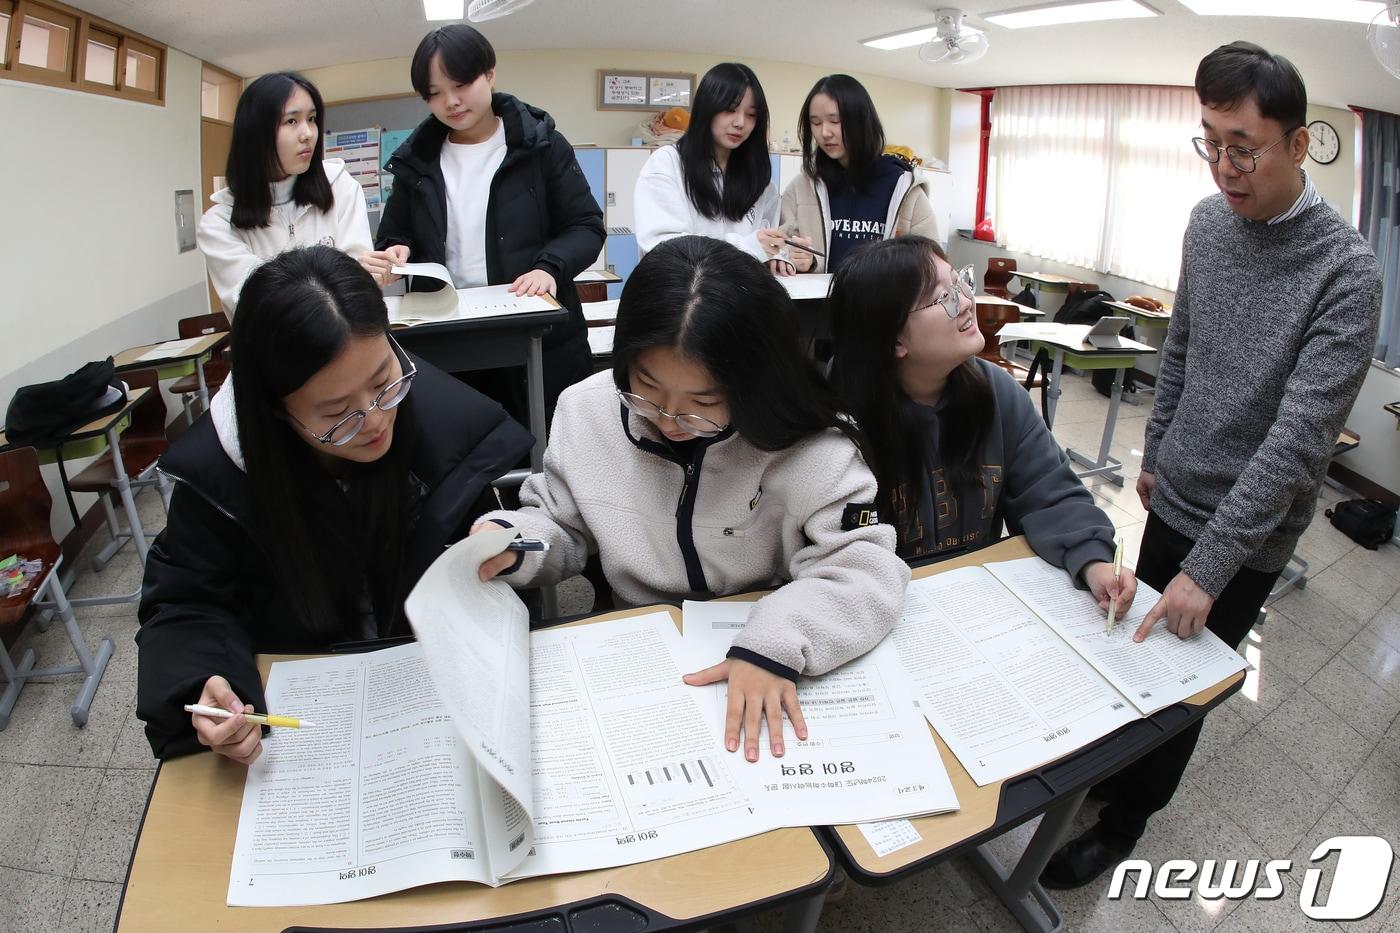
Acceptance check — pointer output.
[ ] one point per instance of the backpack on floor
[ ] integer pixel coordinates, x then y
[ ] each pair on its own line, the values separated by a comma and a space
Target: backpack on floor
1368, 522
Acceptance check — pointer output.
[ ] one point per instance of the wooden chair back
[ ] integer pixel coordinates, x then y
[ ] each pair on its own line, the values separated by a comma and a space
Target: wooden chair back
1000, 269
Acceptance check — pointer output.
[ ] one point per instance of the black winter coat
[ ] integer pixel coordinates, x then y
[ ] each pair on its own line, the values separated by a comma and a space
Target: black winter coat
541, 213
207, 605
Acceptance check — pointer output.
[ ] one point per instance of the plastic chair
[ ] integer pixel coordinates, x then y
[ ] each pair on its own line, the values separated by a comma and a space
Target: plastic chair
215, 371
24, 530
1000, 269
141, 445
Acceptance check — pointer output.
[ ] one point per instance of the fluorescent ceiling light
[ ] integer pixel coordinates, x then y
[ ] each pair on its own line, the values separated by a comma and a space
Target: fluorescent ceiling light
902, 40
1346, 11
1057, 14
444, 9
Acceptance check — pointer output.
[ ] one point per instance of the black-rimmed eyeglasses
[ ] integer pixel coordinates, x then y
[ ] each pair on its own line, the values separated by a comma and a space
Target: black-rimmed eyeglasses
690, 424
344, 430
1243, 159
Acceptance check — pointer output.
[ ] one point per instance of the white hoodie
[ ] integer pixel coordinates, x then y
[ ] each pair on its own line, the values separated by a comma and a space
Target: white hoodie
661, 209
231, 254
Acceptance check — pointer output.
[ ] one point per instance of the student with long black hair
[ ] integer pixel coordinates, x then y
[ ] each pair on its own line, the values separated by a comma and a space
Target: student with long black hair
281, 192
959, 449
849, 191
309, 502
717, 179
489, 188
713, 460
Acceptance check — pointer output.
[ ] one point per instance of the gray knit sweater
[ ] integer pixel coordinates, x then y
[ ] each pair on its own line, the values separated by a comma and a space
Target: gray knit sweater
1270, 338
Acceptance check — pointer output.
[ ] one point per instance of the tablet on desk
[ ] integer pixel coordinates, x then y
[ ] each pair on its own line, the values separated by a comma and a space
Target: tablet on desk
1107, 334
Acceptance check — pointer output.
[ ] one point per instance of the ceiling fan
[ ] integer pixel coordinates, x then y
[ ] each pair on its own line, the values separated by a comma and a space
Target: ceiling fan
1384, 36
954, 43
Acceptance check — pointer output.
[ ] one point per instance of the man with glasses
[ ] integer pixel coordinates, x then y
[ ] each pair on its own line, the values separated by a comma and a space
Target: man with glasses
1275, 320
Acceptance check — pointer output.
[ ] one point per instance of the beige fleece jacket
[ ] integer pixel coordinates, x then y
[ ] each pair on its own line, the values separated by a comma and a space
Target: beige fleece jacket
760, 519
806, 212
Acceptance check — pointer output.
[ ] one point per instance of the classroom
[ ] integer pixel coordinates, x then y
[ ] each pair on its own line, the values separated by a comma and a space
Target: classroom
809, 441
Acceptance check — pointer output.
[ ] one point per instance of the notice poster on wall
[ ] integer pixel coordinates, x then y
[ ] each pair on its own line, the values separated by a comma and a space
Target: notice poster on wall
360, 150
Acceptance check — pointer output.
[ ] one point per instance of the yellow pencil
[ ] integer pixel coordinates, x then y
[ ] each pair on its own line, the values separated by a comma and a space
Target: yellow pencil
262, 719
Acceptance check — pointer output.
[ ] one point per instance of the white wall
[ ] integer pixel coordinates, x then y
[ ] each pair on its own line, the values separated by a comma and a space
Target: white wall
89, 261
964, 153
564, 82
1378, 456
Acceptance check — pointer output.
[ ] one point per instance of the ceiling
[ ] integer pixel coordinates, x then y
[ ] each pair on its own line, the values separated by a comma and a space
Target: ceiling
253, 36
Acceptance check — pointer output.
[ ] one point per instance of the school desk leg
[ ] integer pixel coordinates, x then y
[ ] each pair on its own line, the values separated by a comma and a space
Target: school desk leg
802, 916
1105, 465
1019, 889
138, 536
1052, 399
203, 386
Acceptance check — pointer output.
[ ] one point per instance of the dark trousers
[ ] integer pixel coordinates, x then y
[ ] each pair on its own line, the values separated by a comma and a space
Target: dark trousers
1147, 785
565, 363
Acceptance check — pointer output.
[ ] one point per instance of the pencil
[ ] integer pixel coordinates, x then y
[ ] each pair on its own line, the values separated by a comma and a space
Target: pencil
1118, 578
262, 719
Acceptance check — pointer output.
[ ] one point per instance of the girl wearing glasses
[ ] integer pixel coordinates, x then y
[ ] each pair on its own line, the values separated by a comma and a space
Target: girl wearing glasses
712, 460
958, 447
310, 500
850, 191
716, 180
280, 193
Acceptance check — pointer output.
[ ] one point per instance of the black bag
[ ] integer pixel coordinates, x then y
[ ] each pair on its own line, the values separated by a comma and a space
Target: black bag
43, 414
1368, 522
1088, 308
1025, 297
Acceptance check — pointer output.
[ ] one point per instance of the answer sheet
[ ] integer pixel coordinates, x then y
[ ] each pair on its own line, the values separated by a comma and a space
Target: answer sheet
1162, 670
452, 304
1002, 690
868, 755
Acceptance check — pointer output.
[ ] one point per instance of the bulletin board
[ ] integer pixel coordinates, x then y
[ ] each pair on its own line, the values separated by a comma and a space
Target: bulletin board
620, 89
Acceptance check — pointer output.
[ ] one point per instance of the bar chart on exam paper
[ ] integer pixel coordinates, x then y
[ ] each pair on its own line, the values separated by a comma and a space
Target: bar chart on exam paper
698, 771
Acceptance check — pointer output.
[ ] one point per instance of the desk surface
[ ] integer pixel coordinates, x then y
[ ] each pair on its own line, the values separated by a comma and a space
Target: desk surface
1024, 310
1164, 315
1047, 278
128, 359
979, 806
597, 275
98, 426
178, 878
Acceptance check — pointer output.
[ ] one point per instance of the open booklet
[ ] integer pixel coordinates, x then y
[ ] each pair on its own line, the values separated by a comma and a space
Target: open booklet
1014, 668
488, 753
446, 303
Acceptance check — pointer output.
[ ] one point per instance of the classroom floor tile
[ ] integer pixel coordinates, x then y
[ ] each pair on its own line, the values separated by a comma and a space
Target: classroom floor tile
1309, 749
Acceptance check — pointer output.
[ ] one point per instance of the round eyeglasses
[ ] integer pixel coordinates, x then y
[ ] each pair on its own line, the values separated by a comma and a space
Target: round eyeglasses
344, 430
963, 284
1244, 160
690, 424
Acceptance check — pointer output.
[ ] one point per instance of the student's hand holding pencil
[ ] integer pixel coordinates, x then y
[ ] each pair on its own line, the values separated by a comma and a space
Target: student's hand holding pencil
235, 738
1105, 586
753, 695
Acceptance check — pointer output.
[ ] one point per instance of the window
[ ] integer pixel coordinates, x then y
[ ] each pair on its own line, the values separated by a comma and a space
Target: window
100, 65
51, 43
46, 40
7, 9
1097, 176
219, 92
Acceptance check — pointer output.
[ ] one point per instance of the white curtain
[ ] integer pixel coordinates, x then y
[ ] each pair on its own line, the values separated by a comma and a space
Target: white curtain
1097, 176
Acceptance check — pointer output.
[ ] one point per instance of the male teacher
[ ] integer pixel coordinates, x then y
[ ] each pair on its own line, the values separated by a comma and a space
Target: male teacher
1274, 325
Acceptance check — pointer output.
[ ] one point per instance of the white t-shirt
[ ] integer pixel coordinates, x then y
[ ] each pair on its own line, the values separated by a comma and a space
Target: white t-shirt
467, 170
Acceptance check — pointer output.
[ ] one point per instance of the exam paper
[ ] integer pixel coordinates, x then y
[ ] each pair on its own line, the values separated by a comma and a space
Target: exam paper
450, 304
806, 287
1162, 670
169, 348
1002, 690
868, 755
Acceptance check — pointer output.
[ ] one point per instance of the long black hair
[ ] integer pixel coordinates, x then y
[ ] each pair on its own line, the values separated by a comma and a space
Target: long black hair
253, 164
749, 171
720, 307
872, 295
326, 546
861, 134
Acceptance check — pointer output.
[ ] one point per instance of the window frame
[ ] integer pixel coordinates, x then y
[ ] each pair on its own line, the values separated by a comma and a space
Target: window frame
81, 25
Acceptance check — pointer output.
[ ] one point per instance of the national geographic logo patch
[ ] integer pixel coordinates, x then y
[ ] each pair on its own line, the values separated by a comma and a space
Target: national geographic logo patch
859, 515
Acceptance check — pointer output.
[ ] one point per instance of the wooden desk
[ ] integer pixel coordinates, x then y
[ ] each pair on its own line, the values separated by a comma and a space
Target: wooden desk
592, 284
179, 874
89, 440
176, 363
1055, 790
